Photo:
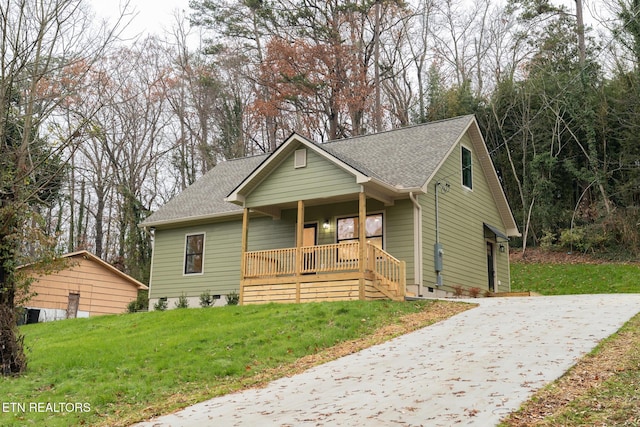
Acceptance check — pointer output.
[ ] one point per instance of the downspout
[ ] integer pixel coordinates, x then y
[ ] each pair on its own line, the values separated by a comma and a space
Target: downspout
437, 215
417, 242
152, 235
437, 248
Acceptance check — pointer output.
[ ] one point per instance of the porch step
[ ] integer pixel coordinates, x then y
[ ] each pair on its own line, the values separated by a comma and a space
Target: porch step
516, 294
386, 290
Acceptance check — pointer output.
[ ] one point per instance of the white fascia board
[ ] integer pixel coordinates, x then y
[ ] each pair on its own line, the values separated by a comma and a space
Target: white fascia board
185, 220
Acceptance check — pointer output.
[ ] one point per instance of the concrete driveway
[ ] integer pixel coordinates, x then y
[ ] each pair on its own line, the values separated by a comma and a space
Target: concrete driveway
471, 369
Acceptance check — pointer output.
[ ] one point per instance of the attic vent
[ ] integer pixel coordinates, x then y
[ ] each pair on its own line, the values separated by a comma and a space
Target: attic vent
300, 158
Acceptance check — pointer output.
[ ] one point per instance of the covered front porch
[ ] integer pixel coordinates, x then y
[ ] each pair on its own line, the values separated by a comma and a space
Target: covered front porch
347, 270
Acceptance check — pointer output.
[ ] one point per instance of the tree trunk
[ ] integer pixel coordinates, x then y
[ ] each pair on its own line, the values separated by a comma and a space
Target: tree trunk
12, 358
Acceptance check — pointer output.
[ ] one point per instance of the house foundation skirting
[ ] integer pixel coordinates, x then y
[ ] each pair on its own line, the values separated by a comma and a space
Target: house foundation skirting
310, 288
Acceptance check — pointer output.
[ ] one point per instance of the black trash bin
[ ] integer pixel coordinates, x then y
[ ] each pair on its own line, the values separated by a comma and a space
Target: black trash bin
33, 315
21, 316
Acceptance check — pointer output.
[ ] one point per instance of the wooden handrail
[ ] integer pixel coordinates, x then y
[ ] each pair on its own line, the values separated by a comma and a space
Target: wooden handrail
388, 269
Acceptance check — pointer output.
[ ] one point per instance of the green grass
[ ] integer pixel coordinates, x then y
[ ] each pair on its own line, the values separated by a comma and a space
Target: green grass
116, 366
566, 279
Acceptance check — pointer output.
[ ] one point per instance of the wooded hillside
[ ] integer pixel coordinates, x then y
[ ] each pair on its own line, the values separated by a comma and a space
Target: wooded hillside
105, 136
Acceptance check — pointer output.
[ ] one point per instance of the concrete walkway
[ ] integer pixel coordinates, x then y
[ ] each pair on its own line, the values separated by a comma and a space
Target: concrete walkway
471, 369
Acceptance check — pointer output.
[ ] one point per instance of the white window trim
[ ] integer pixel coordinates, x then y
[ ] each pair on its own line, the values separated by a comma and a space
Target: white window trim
184, 253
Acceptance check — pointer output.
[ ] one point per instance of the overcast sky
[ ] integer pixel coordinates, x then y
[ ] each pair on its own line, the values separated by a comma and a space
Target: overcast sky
152, 15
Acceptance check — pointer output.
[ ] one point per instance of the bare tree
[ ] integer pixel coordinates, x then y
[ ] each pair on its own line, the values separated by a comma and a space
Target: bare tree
44, 55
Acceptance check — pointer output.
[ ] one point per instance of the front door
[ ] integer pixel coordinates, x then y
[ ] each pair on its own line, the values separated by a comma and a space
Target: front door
309, 238
310, 234
72, 306
491, 272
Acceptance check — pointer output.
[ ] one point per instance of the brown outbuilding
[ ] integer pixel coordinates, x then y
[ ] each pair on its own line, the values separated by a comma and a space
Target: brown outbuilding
86, 286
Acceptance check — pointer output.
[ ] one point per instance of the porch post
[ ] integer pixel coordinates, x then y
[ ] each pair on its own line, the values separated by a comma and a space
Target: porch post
299, 236
243, 251
362, 241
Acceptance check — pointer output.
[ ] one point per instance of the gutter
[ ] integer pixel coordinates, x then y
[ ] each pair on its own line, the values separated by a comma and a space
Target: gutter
186, 220
417, 241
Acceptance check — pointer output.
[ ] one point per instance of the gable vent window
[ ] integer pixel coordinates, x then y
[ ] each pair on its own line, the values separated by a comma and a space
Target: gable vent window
467, 168
300, 158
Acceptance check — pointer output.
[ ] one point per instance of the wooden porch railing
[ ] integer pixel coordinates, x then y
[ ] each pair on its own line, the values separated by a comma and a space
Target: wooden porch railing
389, 270
315, 259
327, 259
270, 263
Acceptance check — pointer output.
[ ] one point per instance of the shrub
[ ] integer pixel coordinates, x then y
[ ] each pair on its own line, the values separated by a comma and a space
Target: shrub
233, 298
572, 238
141, 303
548, 239
206, 299
474, 292
457, 290
591, 238
161, 305
182, 302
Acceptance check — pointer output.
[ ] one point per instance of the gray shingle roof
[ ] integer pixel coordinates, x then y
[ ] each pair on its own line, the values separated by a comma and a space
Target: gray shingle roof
404, 157
401, 158
205, 197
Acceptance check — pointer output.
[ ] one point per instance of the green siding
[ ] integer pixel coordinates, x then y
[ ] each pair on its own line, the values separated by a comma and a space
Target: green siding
399, 234
462, 213
221, 255
266, 233
398, 226
221, 261
222, 245
319, 179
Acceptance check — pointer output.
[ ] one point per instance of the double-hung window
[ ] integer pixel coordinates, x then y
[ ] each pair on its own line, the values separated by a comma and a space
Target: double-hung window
194, 254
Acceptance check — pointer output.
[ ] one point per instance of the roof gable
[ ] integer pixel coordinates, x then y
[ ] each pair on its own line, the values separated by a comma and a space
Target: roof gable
398, 161
403, 158
316, 177
93, 258
280, 155
84, 254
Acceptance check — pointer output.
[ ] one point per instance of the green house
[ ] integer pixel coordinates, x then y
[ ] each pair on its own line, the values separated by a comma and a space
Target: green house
416, 211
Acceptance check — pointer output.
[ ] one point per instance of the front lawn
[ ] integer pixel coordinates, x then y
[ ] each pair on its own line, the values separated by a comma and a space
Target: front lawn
566, 279
115, 370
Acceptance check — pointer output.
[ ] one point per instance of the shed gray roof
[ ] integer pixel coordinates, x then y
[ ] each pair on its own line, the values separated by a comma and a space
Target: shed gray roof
402, 158
205, 197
